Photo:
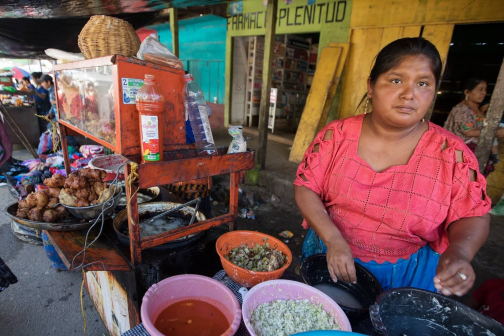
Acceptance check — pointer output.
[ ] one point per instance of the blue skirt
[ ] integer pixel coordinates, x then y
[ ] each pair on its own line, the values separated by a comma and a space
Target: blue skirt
417, 271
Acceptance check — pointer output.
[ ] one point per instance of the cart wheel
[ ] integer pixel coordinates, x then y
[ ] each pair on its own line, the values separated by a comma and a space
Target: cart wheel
11, 185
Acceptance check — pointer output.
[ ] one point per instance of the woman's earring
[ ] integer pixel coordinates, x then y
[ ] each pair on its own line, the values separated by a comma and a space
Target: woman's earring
366, 105
423, 119
466, 97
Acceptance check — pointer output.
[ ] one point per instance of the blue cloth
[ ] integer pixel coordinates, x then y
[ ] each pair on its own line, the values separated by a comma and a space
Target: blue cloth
41, 90
52, 97
417, 271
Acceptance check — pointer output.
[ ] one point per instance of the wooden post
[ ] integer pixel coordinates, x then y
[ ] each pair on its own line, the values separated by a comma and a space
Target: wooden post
174, 31
269, 43
493, 118
64, 148
133, 219
318, 102
229, 81
234, 180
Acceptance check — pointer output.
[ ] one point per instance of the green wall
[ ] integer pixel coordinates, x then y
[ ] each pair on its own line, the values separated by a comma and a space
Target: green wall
202, 45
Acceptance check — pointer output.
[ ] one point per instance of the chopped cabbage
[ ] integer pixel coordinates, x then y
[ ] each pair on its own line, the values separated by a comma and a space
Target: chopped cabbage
287, 317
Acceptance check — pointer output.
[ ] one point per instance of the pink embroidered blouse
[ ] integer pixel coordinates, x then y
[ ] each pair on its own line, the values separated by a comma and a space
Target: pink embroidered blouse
388, 215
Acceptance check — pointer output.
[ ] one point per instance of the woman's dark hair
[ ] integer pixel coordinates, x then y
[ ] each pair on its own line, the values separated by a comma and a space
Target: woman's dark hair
471, 83
47, 78
36, 75
26, 79
394, 52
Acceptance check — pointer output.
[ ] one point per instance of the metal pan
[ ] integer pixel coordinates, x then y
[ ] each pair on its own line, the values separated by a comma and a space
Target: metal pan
67, 224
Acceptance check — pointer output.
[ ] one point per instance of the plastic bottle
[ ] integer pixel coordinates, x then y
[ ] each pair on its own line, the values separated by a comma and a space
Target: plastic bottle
151, 107
196, 109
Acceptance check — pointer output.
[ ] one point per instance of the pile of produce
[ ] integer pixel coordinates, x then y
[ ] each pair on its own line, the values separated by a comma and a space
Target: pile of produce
40, 207
83, 188
260, 258
287, 317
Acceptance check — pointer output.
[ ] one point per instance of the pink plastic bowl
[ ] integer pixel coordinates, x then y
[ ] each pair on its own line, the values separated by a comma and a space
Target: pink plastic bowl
189, 287
289, 290
109, 163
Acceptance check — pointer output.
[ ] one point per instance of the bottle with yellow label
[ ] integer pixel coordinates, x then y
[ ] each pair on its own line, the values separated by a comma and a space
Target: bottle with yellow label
151, 106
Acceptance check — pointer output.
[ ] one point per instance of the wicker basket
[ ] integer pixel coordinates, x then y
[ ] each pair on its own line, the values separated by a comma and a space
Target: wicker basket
104, 35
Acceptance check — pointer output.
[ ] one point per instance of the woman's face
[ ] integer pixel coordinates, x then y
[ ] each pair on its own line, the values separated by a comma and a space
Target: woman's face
402, 95
45, 85
26, 82
477, 94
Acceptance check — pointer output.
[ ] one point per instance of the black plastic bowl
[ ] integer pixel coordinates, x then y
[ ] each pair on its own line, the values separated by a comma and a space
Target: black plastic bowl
416, 312
314, 272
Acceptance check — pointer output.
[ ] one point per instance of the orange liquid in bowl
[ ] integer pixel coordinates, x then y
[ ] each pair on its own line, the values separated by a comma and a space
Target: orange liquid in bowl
192, 317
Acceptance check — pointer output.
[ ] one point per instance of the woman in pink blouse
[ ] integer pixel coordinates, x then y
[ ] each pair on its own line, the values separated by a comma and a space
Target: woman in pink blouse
391, 191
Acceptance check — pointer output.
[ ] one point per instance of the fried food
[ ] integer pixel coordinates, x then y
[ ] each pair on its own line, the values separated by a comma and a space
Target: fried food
42, 199
62, 211
54, 192
81, 202
52, 202
66, 198
50, 216
23, 205
68, 182
23, 213
93, 174
98, 187
92, 196
31, 200
56, 181
82, 193
35, 214
79, 183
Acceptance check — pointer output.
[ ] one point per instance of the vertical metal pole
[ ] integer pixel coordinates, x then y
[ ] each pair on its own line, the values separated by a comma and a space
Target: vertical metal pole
269, 44
174, 31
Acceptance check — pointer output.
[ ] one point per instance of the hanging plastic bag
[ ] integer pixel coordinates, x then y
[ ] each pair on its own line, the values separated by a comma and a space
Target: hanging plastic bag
154, 51
45, 143
238, 144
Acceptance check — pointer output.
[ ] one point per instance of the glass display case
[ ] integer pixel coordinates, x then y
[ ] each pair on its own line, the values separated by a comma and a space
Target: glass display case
96, 98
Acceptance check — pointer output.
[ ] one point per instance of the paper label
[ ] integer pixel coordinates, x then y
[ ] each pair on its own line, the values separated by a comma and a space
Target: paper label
150, 137
130, 87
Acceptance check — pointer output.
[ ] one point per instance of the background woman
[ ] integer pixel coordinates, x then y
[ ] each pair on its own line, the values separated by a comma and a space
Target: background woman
467, 119
399, 194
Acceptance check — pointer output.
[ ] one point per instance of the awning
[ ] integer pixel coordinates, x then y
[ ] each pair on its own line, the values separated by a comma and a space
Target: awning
27, 28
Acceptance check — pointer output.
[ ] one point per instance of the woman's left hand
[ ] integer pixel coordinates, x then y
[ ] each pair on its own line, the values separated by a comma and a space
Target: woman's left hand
454, 274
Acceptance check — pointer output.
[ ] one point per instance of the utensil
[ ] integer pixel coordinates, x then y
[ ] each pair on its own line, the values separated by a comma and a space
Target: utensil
196, 200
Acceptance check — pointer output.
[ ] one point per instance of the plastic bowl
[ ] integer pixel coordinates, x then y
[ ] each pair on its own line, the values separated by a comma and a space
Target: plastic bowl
288, 290
416, 312
186, 287
109, 163
240, 275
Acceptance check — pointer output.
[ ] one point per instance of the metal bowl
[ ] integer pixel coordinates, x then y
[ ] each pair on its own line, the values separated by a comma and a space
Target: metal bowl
152, 194
65, 224
92, 212
148, 210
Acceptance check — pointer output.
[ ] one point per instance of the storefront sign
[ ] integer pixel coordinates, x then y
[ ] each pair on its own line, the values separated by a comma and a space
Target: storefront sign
307, 17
